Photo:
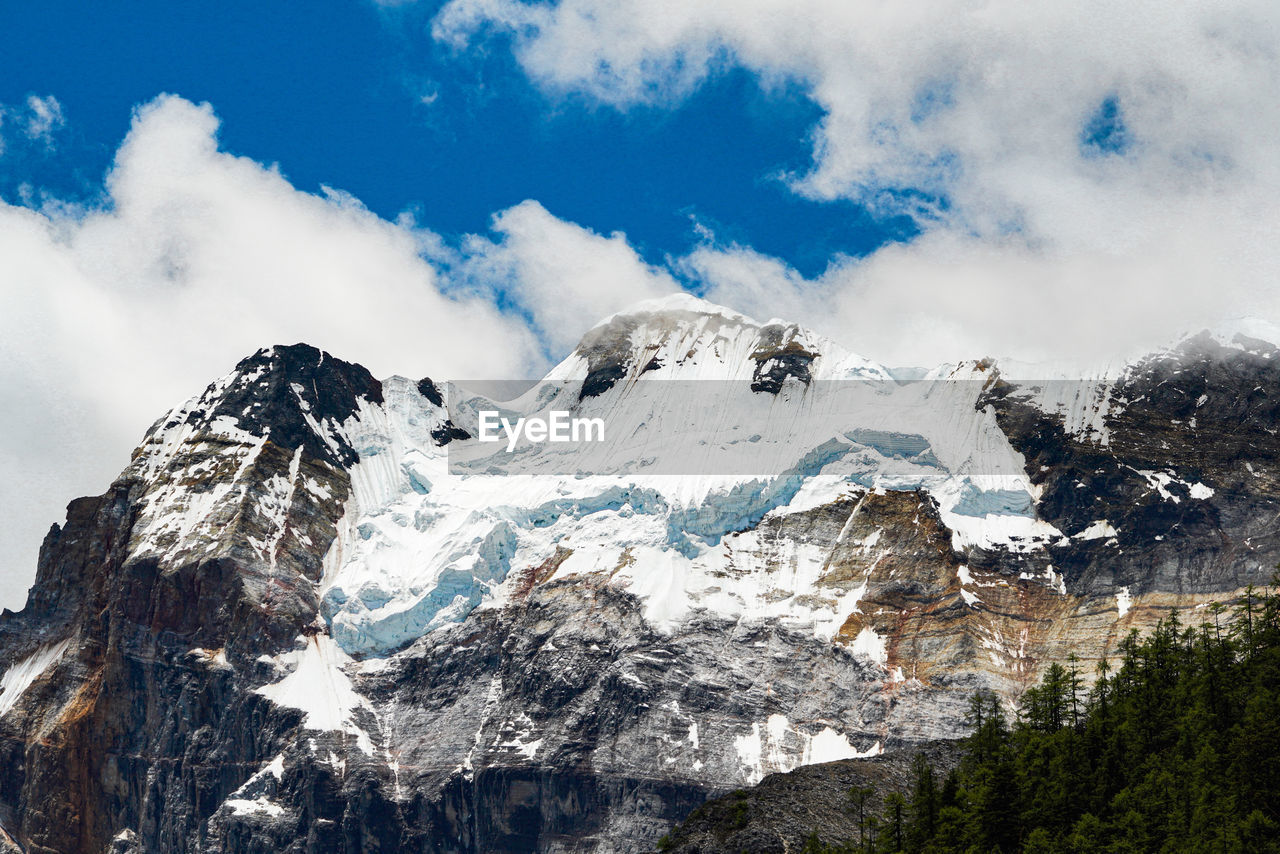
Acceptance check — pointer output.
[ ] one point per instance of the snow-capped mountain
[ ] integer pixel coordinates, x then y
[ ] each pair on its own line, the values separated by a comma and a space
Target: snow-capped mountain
317, 612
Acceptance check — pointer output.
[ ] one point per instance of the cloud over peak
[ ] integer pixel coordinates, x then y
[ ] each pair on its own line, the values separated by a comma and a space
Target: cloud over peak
1113, 166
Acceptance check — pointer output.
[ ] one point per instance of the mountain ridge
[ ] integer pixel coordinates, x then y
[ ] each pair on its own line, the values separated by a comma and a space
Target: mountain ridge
289, 626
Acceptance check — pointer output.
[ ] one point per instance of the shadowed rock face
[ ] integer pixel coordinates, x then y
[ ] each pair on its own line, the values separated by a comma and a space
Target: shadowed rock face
608, 351
172, 684
1202, 417
285, 392
448, 431
779, 357
780, 814
144, 723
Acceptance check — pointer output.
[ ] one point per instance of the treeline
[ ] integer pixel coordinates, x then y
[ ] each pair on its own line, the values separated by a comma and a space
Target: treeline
1176, 749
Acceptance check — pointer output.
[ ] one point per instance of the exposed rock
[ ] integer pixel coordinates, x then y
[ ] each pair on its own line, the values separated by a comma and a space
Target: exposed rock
781, 813
778, 357
1187, 476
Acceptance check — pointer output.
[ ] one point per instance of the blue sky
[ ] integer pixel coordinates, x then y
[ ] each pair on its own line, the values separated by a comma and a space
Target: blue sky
360, 98
922, 182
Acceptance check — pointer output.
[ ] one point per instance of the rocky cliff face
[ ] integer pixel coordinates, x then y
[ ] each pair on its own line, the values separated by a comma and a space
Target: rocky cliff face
784, 811
125, 699
292, 624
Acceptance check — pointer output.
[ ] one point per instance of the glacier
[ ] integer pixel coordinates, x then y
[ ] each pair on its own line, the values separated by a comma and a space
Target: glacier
434, 531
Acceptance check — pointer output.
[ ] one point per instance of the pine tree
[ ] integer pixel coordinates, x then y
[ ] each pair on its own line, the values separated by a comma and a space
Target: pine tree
893, 830
858, 797
924, 805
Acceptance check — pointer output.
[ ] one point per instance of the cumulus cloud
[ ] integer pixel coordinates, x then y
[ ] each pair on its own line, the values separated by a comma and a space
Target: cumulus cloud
110, 315
1089, 176
946, 297
919, 95
562, 276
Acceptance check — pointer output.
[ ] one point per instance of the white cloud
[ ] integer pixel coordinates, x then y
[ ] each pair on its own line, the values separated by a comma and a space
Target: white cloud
564, 276
43, 117
110, 315
755, 284
946, 297
36, 122
1046, 245
910, 87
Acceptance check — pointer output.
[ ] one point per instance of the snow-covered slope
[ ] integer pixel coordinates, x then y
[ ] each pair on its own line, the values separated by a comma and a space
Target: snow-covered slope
760, 420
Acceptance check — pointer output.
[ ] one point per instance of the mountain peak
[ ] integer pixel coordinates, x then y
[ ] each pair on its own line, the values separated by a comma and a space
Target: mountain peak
684, 337
681, 302
287, 393
1251, 334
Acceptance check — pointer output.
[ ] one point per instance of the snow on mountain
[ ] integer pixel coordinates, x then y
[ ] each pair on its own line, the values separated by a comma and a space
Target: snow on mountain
717, 422
762, 419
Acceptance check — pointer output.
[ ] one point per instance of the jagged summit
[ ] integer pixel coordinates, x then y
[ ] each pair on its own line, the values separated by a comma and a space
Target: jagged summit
1242, 341
1253, 334
295, 395
683, 337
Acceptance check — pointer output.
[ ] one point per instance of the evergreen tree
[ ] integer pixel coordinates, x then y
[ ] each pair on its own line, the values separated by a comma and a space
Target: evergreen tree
858, 797
925, 804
